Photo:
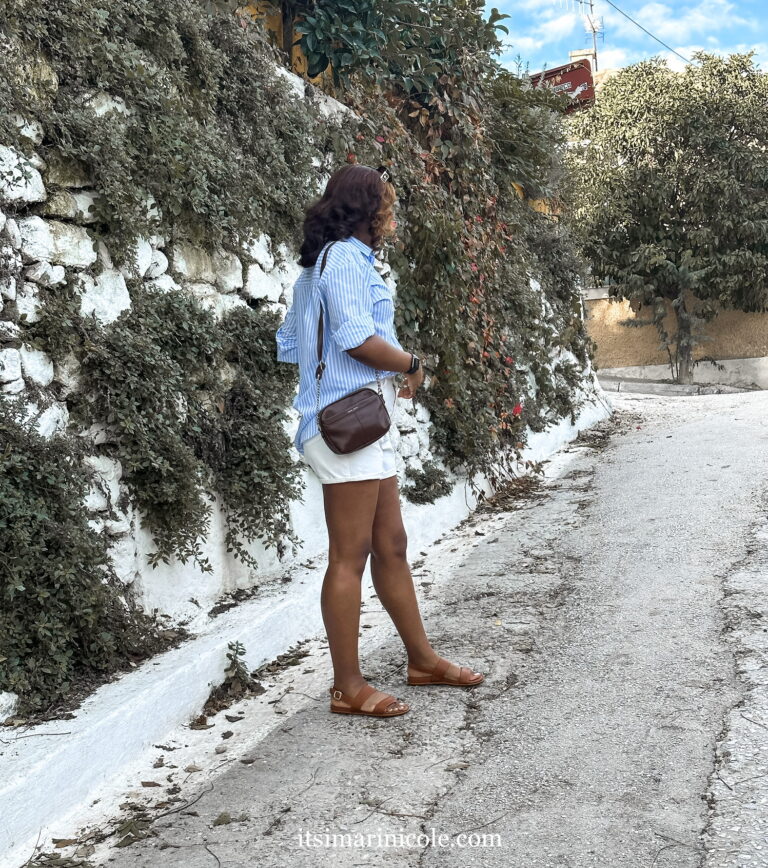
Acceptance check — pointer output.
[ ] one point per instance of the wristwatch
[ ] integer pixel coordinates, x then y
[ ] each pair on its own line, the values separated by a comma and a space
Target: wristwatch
415, 364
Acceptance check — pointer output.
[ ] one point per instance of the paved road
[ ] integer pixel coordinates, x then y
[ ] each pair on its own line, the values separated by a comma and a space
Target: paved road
619, 615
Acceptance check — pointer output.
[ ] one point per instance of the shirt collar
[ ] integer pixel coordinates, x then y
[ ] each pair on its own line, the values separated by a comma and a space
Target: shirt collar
363, 248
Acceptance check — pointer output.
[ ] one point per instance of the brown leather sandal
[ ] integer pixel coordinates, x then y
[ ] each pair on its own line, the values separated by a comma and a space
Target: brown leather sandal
437, 675
357, 701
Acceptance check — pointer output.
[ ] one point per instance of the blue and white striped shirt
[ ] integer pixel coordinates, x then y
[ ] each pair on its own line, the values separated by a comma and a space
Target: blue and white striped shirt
356, 304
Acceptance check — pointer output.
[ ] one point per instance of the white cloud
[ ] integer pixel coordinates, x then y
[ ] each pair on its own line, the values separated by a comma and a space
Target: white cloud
674, 24
558, 28
613, 58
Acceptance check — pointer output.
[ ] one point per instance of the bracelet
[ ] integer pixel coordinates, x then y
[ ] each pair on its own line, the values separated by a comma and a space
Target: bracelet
415, 364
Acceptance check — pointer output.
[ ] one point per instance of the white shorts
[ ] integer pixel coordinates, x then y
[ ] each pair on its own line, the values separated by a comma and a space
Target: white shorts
375, 461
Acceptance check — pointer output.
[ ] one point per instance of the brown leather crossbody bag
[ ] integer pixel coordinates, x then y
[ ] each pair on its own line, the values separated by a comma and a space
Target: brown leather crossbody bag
355, 420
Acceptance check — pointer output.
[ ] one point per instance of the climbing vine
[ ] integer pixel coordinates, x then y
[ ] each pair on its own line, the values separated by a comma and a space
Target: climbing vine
468, 143
64, 617
193, 408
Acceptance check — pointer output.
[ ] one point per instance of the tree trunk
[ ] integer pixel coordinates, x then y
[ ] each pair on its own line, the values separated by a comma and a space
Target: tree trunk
684, 345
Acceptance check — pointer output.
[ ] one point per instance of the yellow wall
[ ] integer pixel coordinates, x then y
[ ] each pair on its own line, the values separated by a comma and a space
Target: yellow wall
732, 335
273, 21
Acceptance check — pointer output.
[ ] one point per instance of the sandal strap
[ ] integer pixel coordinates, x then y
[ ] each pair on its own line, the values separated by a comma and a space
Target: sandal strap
383, 703
359, 698
441, 668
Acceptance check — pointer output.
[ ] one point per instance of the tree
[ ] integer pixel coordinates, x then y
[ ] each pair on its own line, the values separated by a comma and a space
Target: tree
670, 190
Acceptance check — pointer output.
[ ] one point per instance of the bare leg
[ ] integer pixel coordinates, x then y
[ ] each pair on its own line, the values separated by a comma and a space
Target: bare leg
391, 574
349, 511
393, 582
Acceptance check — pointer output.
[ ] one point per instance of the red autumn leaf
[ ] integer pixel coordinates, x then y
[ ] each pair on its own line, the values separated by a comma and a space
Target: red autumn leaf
517, 409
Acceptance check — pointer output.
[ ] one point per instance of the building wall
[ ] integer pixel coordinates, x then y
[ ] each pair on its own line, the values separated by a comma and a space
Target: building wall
732, 335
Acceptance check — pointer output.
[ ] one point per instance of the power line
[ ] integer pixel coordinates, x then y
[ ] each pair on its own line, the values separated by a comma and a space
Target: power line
637, 24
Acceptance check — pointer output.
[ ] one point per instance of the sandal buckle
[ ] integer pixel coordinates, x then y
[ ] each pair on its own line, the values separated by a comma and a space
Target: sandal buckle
337, 694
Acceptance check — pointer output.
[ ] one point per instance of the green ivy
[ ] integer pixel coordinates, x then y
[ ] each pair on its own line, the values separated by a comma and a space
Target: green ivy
64, 617
207, 138
194, 408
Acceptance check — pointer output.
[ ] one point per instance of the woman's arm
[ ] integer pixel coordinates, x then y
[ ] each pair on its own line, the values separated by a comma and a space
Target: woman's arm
287, 342
350, 313
381, 354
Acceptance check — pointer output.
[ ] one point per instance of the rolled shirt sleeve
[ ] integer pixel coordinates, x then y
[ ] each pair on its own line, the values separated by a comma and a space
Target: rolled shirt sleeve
287, 342
348, 295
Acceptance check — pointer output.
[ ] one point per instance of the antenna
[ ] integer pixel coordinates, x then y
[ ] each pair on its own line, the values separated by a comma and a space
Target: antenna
592, 24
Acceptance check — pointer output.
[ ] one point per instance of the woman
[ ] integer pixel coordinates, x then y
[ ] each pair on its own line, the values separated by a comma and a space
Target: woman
360, 492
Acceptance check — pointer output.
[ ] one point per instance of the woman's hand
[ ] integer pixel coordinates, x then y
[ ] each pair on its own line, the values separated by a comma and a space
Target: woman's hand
412, 383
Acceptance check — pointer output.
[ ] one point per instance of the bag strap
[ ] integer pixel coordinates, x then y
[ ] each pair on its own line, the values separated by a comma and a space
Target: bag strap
320, 365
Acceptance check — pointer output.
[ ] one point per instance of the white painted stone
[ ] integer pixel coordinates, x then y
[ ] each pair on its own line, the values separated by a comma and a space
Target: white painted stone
56, 242
260, 250
8, 704
421, 413
76, 205
279, 309
38, 162
103, 255
225, 303
205, 293
14, 387
261, 285
106, 297
10, 365
29, 128
36, 365
8, 287
158, 265
28, 303
164, 283
153, 212
409, 444
140, 261
12, 233
229, 271
287, 272
20, 182
103, 103
192, 264
67, 374
52, 420
105, 491
45, 274
296, 83
124, 557
9, 331
118, 526
98, 434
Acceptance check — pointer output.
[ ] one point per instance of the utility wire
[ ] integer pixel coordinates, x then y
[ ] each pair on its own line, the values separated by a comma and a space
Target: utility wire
669, 48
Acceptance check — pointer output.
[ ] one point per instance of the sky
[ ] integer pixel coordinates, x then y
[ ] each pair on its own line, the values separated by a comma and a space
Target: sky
542, 32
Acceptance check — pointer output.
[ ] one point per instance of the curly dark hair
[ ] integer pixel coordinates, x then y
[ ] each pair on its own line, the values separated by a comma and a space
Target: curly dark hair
354, 194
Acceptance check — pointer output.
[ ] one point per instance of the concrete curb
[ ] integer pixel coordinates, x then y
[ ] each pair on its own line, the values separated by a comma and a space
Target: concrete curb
651, 387
81, 760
